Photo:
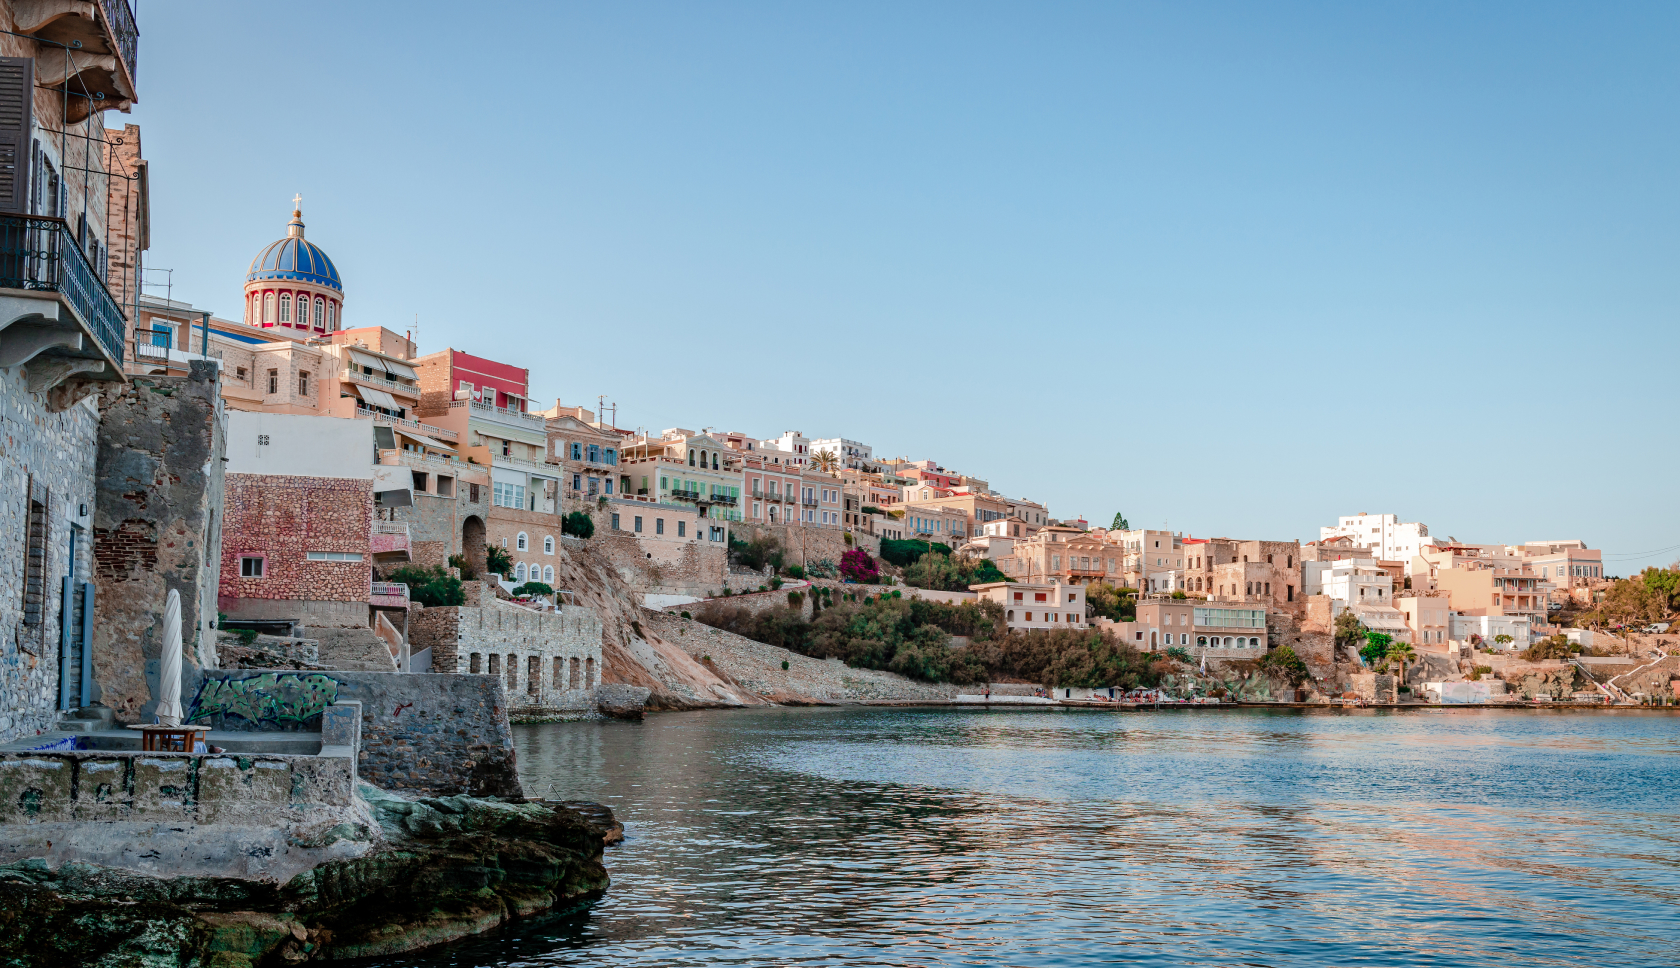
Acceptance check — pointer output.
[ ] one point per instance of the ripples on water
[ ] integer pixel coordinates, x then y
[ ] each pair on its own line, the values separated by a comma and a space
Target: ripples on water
1187, 837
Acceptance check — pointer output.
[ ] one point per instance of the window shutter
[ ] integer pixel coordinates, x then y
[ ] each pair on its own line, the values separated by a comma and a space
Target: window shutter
17, 85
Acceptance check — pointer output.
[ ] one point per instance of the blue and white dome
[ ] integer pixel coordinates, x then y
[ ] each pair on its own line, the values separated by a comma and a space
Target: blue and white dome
292, 259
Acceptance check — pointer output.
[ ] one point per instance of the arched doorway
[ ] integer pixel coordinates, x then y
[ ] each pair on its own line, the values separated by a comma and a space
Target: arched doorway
472, 543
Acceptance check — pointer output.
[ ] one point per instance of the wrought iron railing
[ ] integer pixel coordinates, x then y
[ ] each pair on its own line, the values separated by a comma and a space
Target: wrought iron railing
726, 499
682, 495
119, 18
39, 253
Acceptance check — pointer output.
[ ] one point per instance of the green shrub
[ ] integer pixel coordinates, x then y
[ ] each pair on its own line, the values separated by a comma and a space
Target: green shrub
686, 615
246, 636
430, 587
795, 599
532, 589
755, 554
498, 562
1180, 654
784, 665
578, 525
460, 562
794, 571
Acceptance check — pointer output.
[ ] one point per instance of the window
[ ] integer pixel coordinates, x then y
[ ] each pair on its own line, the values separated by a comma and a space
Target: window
519, 542
507, 449
658, 525
548, 544
507, 495
303, 383
419, 480
608, 485
285, 307
445, 486
577, 451
548, 574
333, 555
594, 453
691, 458
332, 316
250, 567
611, 455
268, 307
320, 313
273, 381
638, 527
519, 571
577, 482
615, 521
239, 371
682, 529
472, 493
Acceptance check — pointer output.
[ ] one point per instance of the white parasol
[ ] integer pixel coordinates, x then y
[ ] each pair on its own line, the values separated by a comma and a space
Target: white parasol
169, 673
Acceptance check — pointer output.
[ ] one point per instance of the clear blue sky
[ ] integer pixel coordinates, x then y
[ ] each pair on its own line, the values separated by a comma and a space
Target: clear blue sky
1234, 268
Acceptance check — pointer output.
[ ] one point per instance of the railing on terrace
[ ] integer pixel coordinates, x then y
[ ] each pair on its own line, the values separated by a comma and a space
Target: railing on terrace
683, 495
390, 589
811, 504
726, 499
119, 20
517, 417
40, 253
352, 373
149, 351
441, 433
390, 527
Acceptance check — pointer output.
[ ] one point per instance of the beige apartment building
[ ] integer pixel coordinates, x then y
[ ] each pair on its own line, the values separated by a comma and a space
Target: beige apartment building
1063, 554
1427, 616
1494, 591
1037, 606
1200, 628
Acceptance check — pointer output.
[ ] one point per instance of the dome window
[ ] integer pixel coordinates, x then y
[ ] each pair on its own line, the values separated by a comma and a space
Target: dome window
268, 307
285, 308
332, 317
320, 310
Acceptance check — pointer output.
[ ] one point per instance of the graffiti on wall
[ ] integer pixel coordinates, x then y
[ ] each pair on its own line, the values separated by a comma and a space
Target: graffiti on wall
269, 698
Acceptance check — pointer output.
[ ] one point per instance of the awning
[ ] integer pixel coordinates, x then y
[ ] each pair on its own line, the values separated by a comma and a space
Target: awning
436, 445
383, 365
378, 398
394, 484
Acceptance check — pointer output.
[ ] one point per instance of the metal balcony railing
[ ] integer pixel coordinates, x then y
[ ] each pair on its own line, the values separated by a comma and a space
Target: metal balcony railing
726, 499
683, 495
40, 253
119, 19
811, 504
408, 389
390, 589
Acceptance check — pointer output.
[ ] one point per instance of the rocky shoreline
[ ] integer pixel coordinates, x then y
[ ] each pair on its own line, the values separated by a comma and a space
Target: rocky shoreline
413, 874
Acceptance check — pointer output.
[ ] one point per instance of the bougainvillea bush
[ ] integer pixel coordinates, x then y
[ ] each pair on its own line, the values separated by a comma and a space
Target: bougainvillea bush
856, 565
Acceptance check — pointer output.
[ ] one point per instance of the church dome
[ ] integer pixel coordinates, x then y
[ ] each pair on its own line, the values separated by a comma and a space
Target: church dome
293, 259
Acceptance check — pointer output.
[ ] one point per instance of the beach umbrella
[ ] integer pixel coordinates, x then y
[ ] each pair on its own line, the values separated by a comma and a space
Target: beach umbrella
169, 675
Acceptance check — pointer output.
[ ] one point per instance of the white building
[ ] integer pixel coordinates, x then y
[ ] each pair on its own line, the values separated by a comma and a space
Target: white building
1490, 627
791, 449
1386, 535
852, 453
1358, 584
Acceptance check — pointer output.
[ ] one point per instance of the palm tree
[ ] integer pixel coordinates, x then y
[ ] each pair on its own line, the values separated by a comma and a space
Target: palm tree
1401, 653
825, 460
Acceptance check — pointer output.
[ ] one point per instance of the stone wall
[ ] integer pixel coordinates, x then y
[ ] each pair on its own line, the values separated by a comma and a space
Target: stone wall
662, 564
280, 518
548, 661
156, 527
259, 790
803, 545
52, 453
439, 735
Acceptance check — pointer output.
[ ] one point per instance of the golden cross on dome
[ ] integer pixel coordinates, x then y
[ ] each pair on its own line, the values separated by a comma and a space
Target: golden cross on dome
297, 203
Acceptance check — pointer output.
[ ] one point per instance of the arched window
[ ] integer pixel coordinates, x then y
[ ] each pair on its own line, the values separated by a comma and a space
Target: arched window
1009, 615
520, 543
1201, 640
285, 307
320, 312
548, 544
1254, 643
714, 461
548, 574
268, 307
691, 458
332, 316
519, 571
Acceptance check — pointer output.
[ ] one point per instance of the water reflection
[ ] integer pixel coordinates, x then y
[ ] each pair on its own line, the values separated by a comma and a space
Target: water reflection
945, 837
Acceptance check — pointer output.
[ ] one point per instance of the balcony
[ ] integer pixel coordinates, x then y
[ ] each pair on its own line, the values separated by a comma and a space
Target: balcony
384, 383
106, 41
388, 594
517, 419
724, 499
811, 504
51, 301
679, 494
389, 542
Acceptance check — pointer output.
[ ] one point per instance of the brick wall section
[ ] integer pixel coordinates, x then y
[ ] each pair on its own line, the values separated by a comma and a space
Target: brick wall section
157, 526
282, 517
437, 735
55, 450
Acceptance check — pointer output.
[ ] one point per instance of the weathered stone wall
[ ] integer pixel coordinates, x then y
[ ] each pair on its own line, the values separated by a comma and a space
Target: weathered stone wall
156, 527
173, 788
440, 735
282, 517
54, 453
662, 564
803, 545
546, 660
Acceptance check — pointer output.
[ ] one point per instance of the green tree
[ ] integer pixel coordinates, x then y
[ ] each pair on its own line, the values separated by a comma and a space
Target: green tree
1283, 663
533, 588
497, 561
1119, 523
1401, 654
1502, 640
460, 562
755, 554
578, 525
1663, 581
430, 587
1349, 630
1114, 604
1376, 647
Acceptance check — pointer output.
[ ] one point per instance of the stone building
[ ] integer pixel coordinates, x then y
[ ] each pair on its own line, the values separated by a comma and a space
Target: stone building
61, 340
1062, 554
296, 545
549, 661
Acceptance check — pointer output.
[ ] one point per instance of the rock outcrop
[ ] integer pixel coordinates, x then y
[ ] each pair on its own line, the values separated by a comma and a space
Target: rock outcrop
423, 872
